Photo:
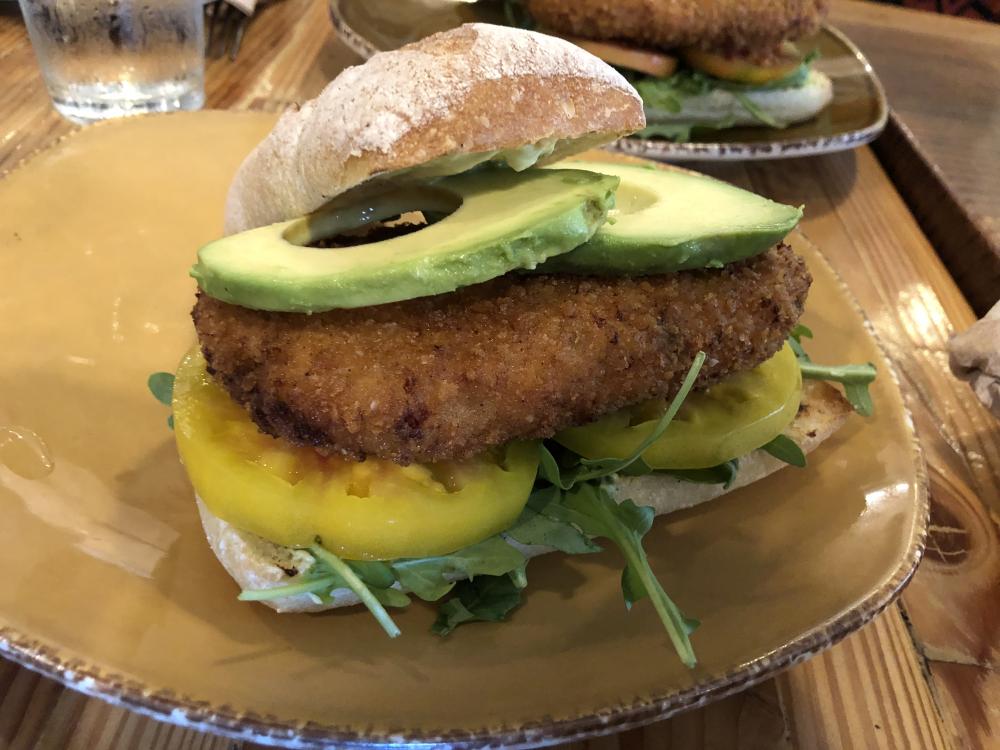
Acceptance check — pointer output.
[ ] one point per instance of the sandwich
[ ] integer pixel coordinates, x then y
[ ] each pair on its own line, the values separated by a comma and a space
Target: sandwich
432, 347
711, 65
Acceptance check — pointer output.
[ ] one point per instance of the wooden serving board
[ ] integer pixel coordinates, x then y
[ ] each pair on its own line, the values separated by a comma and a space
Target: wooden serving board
922, 675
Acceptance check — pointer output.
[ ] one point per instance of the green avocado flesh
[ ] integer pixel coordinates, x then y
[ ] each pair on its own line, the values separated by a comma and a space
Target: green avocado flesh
500, 220
668, 220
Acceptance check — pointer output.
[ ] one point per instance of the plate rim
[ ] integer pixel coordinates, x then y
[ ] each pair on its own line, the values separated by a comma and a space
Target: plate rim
776, 149
663, 150
166, 705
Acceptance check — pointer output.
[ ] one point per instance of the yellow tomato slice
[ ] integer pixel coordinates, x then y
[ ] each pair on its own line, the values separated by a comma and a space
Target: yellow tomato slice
368, 510
743, 70
645, 61
729, 420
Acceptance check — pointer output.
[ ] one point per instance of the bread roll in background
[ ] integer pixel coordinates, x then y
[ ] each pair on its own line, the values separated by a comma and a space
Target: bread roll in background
784, 105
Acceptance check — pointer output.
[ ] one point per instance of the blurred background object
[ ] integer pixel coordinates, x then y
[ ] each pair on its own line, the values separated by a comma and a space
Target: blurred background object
984, 10
227, 22
974, 356
109, 58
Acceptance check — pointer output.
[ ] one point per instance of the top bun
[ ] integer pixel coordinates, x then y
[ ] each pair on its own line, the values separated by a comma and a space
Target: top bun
474, 90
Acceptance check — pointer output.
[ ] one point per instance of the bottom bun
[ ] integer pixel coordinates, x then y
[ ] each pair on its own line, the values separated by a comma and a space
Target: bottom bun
256, 563
719, 105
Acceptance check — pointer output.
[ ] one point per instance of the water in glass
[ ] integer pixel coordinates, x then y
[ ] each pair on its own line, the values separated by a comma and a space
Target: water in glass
108, 58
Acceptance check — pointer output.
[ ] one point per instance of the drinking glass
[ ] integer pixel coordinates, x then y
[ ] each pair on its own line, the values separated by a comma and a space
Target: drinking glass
109, 58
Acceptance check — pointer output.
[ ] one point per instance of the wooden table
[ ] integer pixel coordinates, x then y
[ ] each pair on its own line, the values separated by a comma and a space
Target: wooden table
922, 675
940, 150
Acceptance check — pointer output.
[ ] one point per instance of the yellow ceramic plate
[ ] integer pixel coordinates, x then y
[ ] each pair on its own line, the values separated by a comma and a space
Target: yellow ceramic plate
108, 584
856, 115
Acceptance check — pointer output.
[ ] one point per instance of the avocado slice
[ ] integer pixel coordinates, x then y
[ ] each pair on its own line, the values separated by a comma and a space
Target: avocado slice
668, 220
499, 220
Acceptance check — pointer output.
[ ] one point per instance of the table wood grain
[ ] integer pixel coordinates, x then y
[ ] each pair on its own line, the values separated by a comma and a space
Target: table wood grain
942, 79
925, 674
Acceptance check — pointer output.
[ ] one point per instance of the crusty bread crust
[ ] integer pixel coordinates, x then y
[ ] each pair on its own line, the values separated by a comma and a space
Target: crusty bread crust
471, 90
258, 564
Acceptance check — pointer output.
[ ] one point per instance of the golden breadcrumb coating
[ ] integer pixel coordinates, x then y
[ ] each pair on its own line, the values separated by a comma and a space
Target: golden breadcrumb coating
731, 25
446, 377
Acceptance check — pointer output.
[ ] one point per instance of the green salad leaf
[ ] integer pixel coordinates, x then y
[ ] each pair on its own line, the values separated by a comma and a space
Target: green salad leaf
430, 578
625, 524
353, 581
540, 524
668, 94
724, 474
309, 585
161, 385
785, 449
757, 112
682, 131
485, 598
854, 378
795, 341
599, 468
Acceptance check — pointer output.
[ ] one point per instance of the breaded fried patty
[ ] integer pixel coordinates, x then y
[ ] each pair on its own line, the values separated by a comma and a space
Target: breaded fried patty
518, 357
736, 25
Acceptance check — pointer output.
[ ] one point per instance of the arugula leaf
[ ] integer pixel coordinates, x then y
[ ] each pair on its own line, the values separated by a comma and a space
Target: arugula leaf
374, 573
308, 586
801, 331
485, 598
519, 577
795, 341
534, 527
678, 132
855, 379
355, 584
625, 524
391, 597
161, 385
602, 467
661, 93
599, 468
548, 468
430, 578
785, 449
633, 588
860, 397
667, 96
756, 111
724, 474
637, 468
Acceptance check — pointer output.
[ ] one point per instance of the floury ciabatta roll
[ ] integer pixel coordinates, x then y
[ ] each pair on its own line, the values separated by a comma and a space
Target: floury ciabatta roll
436, 107
431, 348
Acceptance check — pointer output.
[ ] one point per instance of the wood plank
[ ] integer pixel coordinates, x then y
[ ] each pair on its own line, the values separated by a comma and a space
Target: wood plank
940, 150
868, 692
970, 699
